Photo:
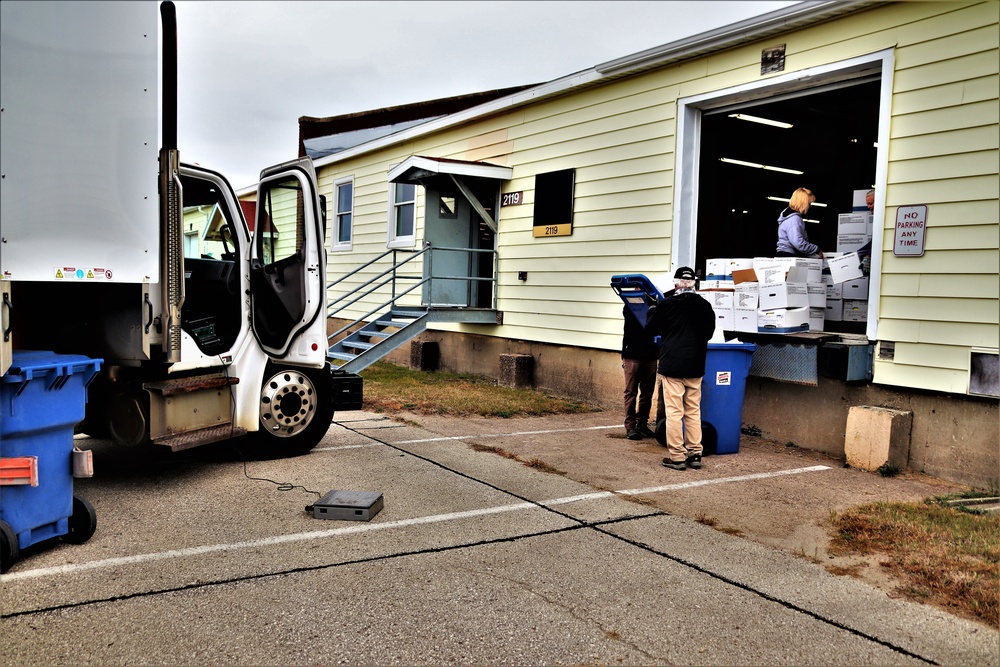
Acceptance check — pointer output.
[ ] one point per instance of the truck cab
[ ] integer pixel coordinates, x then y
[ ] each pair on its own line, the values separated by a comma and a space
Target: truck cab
210, 326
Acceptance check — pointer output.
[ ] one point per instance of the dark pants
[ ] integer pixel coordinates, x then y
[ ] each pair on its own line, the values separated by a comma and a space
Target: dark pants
640, 378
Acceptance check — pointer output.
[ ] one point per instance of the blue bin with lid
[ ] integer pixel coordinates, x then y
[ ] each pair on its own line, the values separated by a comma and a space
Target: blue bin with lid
42, 397
727, 366
637, 292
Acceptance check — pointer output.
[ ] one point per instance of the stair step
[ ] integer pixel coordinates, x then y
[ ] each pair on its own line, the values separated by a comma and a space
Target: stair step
413, 314
357, 344
203, 436
343, 356
190, 384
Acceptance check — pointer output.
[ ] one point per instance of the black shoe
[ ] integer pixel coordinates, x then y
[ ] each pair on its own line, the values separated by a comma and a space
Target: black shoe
644, 431
676, 465
633, 434
694, 461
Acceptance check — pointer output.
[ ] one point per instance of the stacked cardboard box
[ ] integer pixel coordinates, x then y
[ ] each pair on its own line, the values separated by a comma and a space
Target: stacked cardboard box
791, 292
847, 287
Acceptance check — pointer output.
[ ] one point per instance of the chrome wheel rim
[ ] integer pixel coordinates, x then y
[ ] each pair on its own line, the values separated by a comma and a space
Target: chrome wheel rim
287, 404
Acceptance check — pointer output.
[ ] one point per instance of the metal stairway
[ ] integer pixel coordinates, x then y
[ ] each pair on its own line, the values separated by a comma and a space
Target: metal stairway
363, 341
378, 338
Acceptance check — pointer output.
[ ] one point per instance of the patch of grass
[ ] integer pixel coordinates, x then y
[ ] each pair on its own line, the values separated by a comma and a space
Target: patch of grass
887, 470
537, 464
391, 388
946, 557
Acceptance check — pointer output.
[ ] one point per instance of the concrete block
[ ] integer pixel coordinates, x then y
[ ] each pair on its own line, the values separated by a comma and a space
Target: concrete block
424, 355
876, 436
517, 371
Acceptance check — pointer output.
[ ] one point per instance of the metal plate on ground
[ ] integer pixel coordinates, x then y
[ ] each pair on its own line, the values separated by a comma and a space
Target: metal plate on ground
348, 505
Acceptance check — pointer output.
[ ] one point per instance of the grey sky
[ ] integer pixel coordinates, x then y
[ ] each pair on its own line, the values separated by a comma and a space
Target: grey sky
248, 70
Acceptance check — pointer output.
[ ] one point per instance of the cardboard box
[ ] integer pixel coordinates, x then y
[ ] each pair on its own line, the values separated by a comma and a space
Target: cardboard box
816, 317
783, 295
740, 264
855, 289
817, 295
723, 321
745, 319
834, 310
835, 291
845, 267
720, 300
855, 310
746, 295
717, 269
814, 266
784, 320
850, 224
768, 269
851, 242
741, 276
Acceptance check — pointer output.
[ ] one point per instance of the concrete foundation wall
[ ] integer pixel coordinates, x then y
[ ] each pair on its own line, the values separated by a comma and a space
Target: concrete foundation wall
955, 438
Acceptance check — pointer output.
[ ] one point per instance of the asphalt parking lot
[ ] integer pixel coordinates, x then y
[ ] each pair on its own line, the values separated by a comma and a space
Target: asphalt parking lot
535, 541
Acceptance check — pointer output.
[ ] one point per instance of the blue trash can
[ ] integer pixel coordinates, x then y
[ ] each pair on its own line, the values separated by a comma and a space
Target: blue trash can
726, 368
42, 397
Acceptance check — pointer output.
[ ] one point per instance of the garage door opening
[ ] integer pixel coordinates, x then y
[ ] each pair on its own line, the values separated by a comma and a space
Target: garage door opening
741, 152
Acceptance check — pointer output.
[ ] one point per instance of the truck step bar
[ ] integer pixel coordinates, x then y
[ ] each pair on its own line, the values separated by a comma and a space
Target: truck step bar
200, 437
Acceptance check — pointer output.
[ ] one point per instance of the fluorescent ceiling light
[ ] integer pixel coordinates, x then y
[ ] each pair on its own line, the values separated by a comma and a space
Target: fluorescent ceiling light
741, 162
762, 121
756, 165
810, 220
783, 170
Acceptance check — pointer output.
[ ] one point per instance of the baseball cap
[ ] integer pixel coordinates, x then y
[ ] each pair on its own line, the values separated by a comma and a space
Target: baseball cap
685, 273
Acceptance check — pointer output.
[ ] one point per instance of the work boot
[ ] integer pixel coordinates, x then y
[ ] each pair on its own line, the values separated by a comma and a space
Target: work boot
644, 430
633, 434
694, 461
675, 465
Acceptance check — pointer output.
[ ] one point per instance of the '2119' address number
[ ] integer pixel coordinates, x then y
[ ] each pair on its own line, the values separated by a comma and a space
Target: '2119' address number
512, 198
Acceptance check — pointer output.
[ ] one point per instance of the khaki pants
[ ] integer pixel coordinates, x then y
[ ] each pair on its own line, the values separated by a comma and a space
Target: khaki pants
682, 402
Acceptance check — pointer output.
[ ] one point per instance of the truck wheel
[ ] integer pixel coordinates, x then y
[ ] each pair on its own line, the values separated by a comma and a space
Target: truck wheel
9, 551
82, 523
295, 410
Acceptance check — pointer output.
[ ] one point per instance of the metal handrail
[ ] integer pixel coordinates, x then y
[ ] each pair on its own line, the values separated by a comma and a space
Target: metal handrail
373, 311
391, 275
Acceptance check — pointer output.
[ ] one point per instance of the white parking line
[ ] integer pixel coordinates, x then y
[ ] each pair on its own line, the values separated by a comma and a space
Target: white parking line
368, 527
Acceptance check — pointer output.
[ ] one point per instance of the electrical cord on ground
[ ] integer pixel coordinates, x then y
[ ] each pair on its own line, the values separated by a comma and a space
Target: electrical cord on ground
282, 486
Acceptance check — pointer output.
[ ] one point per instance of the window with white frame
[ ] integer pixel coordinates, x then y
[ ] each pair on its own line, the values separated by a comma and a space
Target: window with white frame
343, 215
402, 215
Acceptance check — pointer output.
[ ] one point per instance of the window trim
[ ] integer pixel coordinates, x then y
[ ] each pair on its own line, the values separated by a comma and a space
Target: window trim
394, 241
336, 244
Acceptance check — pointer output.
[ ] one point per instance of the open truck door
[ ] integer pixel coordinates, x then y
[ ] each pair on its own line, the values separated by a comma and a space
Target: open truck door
288, 266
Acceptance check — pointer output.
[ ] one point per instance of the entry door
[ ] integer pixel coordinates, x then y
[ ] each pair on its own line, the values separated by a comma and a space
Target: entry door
448, 231
288, 265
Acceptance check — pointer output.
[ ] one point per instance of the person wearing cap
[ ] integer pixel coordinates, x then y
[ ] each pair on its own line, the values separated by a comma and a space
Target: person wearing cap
792, 238
639, 354
685, 322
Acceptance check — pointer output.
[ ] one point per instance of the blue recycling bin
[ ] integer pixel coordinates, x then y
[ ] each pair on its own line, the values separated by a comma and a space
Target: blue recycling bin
636, 291
42, 397
722, 389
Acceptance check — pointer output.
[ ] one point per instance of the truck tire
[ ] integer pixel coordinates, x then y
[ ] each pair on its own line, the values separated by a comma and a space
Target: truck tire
295, 410
9, 551
82, 523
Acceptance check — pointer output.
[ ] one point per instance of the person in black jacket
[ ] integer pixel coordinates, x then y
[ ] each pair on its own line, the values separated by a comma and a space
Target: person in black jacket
685, 321
639, 354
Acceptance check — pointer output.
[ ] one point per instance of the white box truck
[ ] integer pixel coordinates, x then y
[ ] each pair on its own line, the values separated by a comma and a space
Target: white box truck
210, 325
